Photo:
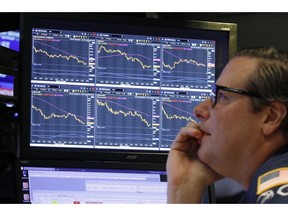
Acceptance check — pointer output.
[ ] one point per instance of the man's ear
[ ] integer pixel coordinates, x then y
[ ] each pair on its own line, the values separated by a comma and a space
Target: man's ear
275, 113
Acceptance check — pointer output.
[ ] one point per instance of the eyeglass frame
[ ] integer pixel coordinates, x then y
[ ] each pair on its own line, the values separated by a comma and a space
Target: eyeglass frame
216, 88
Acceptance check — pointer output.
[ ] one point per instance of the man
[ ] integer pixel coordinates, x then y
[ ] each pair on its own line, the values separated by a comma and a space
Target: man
242, 134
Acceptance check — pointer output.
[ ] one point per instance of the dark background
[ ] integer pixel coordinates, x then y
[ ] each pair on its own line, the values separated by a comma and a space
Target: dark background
254, 29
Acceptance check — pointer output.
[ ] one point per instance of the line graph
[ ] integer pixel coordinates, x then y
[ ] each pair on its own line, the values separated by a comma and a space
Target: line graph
128, 57
175, 114
123, 120
184, 67
53, 115
60, 55
129, 112
125, 63
59, 118
60, 60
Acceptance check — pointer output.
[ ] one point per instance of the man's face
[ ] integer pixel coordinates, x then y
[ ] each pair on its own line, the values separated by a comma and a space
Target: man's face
231, 129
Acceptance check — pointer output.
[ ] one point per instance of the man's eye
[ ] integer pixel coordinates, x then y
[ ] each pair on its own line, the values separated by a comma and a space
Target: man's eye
221, 96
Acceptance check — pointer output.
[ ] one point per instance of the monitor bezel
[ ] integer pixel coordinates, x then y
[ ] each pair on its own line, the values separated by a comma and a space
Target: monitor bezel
26, 24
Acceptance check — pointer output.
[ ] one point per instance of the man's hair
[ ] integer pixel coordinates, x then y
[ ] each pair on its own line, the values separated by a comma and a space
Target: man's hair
270, 80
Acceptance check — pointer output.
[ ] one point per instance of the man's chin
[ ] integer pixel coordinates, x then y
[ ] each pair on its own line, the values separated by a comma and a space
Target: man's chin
203, 154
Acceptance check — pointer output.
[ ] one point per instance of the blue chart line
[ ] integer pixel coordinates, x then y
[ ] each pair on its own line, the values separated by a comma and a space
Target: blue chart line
175, 114
123, 120
184, 66
125, 63
55, 118
60, 59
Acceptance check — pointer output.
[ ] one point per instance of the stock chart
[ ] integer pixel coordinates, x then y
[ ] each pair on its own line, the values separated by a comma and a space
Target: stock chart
126, 92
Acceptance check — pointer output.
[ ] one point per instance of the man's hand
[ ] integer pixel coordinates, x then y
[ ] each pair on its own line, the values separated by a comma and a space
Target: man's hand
188, 177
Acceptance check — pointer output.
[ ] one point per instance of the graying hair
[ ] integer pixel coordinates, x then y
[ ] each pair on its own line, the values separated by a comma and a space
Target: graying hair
270, 80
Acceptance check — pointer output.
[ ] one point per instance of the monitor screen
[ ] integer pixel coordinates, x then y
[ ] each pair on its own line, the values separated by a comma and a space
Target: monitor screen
6, 84
76, 182
10, 39
9, 59
100, 87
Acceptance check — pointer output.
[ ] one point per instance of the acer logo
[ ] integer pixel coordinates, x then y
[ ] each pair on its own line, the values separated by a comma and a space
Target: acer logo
132, 157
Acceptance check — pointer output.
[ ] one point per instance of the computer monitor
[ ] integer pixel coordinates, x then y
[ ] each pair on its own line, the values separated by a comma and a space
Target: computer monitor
78, 182
8, 82
6, 85
10, 39
9, 57
114, 88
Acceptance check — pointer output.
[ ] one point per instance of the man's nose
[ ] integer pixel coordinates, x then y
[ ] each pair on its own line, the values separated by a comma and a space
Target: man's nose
202, 110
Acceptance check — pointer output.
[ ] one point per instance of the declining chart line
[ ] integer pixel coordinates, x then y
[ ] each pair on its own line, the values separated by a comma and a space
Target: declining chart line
53, 115
188, 61
174, 116
125, 55
120, 112
67, 57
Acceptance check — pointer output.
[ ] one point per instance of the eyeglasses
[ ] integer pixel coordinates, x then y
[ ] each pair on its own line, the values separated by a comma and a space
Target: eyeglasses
216, 88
